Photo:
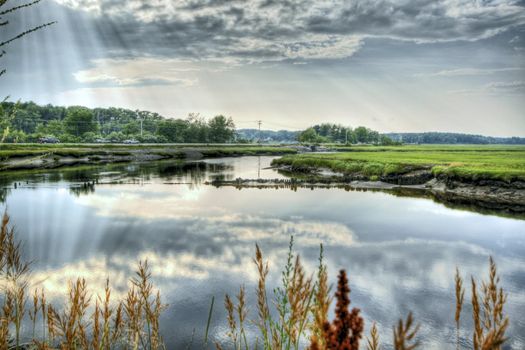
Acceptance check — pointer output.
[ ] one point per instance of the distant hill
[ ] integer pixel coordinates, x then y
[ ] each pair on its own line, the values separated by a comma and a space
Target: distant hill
281, 136
452, 138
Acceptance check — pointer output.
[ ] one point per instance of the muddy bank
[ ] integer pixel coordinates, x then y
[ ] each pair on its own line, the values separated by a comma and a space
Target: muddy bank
496, 196
74, 157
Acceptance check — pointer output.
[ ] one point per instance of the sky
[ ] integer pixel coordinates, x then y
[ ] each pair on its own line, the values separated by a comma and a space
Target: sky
393, 66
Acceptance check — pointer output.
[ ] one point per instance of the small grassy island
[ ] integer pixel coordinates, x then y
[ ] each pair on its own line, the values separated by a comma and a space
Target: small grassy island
493, 176
506, 163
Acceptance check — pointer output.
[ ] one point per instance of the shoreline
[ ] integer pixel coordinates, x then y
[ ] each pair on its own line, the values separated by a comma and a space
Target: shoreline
488, 194
507, 199
54, 158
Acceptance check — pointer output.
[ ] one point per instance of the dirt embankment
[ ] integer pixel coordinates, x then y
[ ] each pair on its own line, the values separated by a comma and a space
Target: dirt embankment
486, 194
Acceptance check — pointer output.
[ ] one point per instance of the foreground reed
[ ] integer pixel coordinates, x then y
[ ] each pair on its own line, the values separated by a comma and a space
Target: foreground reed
294, 316
85, 321
299, 318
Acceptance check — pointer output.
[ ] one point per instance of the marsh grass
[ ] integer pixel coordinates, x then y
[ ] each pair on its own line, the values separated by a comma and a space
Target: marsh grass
85, 321
293, 316
462, 162
298, 318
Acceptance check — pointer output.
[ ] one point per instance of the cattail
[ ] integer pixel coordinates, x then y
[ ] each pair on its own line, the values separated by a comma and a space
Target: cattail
95, 341
373, 341
262, 302
320, 307
51, 322
228, 304
405, 333
43, 309
300, 295
460, 295
118, 324
106, 317
242, 313
489, 320
33, 313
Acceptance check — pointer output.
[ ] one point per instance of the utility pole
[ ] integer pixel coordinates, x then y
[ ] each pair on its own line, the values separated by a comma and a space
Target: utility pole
141, 120
259, 122
98, 121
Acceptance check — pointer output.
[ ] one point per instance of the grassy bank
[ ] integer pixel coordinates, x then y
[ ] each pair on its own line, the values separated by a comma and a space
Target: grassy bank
30, 149
505, 163
34, 156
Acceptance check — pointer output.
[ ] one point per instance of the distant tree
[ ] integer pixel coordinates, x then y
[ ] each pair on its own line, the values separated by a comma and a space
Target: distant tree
116, 136
309, 135
386, 141
197, 130
148, 138
361, 134
373, 136
90, 136
131, 128
16, 136
172, 130
80, 120
52, 128
222, 129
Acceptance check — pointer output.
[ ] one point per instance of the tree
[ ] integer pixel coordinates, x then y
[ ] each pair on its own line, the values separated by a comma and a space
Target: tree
52, 128
80, 120
361, 134
131, 128
222, 129
309, 135
386, 141
197, 130
172, 130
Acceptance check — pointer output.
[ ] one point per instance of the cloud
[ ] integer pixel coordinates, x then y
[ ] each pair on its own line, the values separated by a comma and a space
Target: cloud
495, 88
459, 72
501, 86
138, 72
262, 30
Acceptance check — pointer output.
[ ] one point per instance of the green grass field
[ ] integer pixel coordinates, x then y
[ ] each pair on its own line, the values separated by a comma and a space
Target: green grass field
468, 162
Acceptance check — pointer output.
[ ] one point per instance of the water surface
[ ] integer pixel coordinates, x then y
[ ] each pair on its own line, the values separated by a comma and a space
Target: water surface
400, 252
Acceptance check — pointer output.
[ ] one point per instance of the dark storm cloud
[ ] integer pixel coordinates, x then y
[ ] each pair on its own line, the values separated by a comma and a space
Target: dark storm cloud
268, 29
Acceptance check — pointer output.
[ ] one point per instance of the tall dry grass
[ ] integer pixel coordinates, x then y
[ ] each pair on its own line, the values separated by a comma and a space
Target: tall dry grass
85, 321
296, 315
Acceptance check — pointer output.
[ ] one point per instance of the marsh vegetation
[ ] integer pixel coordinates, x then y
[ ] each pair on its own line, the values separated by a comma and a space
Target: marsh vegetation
294, 316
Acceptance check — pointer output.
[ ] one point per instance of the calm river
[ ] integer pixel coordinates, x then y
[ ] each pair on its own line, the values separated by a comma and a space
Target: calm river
400, 252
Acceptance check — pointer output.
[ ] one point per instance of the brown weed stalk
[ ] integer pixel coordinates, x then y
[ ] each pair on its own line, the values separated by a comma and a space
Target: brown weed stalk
460, 296
405, 333
490, 322
373, 340
320, 307
345, 332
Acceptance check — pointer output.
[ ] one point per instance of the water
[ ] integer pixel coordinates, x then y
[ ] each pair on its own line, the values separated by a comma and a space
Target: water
400, 252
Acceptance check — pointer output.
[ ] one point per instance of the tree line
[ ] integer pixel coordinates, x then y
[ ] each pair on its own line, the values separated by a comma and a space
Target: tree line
453, 138
336, 133
29, 122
